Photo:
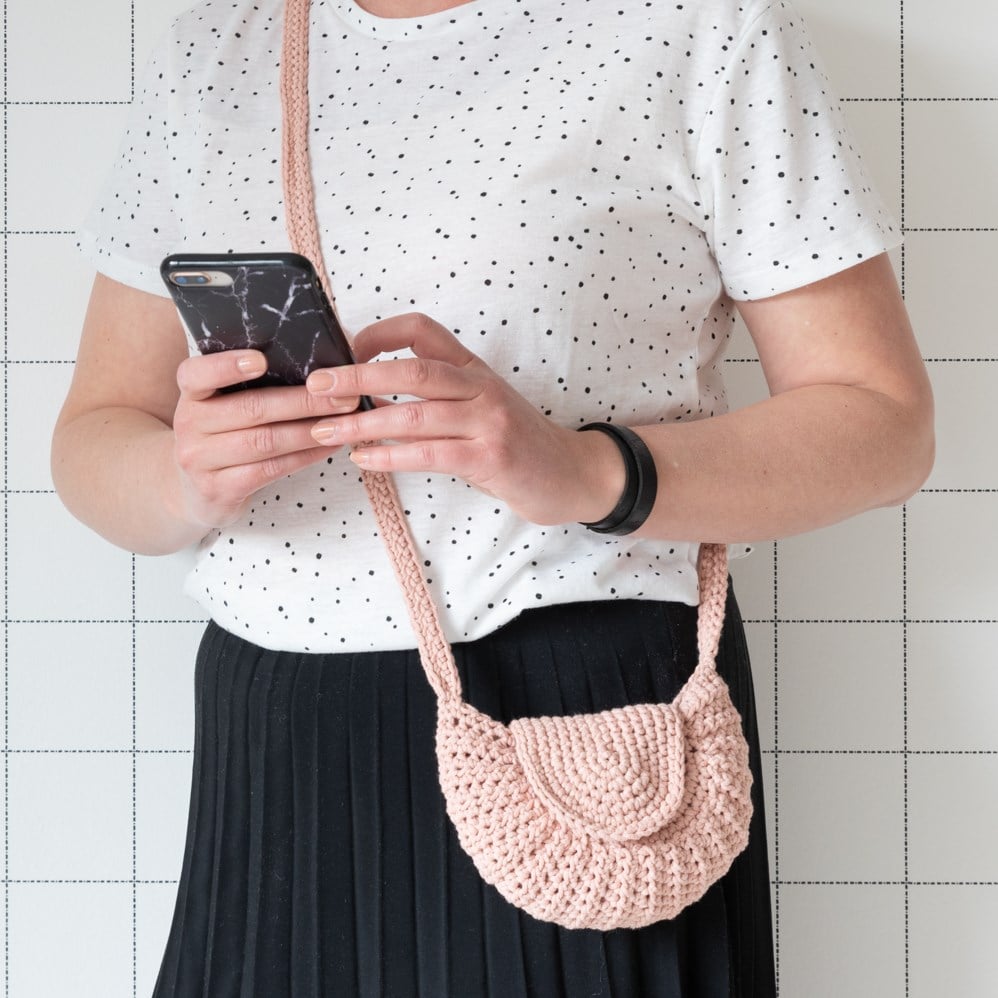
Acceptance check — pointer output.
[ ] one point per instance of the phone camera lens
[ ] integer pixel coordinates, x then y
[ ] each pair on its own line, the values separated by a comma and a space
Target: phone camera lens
185, 280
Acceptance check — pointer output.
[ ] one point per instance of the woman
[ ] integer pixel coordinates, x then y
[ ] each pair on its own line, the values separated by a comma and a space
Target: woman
536, 219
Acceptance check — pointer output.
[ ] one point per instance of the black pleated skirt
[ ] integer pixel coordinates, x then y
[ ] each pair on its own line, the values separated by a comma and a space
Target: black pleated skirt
320, 862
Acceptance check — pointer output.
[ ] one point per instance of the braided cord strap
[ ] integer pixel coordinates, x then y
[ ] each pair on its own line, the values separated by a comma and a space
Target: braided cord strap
712, 568
299, 204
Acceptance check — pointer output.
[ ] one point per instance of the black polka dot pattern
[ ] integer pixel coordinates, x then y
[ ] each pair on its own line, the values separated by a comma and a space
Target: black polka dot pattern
579, 190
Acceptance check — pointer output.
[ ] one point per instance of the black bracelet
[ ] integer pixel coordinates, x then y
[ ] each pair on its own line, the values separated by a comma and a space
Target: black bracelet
640, 482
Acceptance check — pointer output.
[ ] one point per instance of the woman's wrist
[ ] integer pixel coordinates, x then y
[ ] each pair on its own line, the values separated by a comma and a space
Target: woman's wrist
637, 498
601, 478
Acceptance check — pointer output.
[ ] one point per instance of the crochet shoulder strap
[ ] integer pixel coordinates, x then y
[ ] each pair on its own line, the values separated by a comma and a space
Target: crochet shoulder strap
299, 204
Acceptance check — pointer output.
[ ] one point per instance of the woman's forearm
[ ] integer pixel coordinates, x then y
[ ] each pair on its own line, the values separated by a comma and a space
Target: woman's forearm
797, 461
114, 469
848, 425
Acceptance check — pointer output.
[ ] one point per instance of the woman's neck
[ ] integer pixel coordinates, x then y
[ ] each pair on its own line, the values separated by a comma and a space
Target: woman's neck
407, 8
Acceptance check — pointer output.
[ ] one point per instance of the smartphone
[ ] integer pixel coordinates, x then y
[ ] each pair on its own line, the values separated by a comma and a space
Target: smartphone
270, 302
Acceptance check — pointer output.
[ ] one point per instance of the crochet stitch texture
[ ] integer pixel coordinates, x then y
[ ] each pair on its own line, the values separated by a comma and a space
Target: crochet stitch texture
609, 820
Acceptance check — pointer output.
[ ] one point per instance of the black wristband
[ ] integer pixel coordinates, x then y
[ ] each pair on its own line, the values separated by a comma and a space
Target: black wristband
640, 482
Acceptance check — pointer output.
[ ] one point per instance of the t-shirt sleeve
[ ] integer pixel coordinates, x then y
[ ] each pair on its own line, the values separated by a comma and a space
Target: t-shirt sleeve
132, 225
785, 192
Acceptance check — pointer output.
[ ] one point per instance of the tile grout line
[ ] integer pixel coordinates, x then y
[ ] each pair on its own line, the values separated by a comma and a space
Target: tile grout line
919, 100
201, 621
934, 753
131, 99
6, 511
776, 758
112, 882
134, 629
875, 752
748, 620
66, 103
135, 758
904, 538
6, 564
83, 882
907, 753
843, 100
138, 751
727, 360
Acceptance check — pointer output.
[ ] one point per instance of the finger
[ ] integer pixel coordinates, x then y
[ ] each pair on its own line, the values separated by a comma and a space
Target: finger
235, 448
243, 480
201, 376
401, 421
459, 458
417, 376
274, 404
413, 331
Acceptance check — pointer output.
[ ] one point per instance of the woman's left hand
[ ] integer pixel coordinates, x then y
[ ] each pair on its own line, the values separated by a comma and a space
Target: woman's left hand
465, 421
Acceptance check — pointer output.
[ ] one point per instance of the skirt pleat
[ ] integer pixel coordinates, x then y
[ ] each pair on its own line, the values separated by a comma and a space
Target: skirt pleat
320, 862
306, 922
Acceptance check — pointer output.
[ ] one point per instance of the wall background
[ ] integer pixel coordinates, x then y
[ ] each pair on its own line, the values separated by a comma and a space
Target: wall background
875, 642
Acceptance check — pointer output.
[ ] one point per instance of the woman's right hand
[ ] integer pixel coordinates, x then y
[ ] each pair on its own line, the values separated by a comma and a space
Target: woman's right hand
229, 445
146, 449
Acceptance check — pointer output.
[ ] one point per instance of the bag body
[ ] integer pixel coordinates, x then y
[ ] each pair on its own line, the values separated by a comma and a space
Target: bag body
600, 821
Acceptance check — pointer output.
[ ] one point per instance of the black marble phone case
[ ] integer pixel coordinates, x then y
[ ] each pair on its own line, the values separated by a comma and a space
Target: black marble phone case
275, 304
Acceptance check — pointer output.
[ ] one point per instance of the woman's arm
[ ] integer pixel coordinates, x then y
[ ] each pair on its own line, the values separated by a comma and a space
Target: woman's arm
145, 452
112, 446
848, 426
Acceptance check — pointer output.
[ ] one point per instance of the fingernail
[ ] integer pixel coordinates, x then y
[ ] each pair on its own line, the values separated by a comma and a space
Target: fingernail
325, 433
251, 363
360, 456
321, 381
341, 405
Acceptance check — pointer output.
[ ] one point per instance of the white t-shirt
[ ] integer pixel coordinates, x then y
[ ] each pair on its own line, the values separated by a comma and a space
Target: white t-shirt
578, 190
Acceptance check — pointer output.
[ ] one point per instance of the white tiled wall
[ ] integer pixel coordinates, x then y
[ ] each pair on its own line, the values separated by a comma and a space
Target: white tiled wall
878, 638
874, 642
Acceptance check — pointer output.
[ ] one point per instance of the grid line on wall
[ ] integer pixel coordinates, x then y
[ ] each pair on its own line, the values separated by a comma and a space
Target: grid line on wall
149, 881
106, 620
101, 751
870, 620
882, 752
776, 763
40, 621
67, 103
907, 748
842, 100
929, 753
82, 881
904, 534
919, 100
755, 360
135, 786
6, 514
134, 651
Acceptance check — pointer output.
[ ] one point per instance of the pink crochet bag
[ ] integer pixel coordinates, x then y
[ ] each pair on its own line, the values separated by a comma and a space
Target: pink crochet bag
608, 820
